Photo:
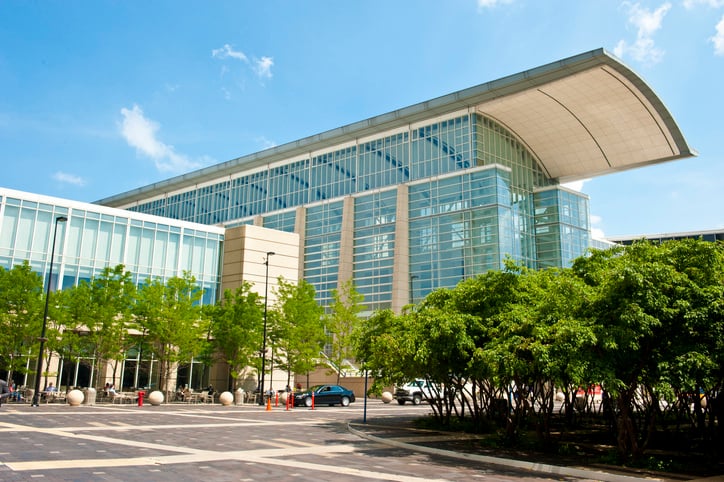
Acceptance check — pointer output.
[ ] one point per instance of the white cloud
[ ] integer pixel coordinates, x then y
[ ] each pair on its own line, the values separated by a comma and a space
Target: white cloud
718, 38
596, 232
492, 3
227, 51
263, 67
576, 185
140, 133
66, 178
647, 23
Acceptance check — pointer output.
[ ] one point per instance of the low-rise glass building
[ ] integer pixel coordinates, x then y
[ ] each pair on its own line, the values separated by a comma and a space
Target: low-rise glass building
95, 237
92, 238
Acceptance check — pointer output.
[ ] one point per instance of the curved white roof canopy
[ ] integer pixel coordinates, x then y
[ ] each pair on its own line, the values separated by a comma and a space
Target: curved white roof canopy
591, 122
583, 116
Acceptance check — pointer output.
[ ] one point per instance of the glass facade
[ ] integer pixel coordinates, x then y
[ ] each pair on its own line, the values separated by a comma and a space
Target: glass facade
95, 237
562, 229
323, 231
374, 244
474, 196
460, 226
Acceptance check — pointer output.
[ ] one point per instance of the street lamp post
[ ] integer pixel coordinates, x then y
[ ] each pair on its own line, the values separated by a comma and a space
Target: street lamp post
39, 372
263, 343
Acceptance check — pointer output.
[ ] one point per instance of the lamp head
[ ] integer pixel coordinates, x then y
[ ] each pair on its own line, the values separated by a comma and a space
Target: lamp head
61, 219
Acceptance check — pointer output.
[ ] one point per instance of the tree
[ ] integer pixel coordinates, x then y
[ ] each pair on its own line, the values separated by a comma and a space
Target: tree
108, 315
541, 340
170, 315
68, 337
340, 322
441, 347
658, 320
21, 312
236, 328
297, 329
377, 347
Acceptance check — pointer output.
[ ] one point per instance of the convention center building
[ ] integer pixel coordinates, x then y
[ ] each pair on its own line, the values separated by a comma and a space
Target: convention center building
425, 196
400, 204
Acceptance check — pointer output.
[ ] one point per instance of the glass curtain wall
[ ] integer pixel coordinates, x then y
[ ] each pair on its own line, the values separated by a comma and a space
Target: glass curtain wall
562, 229
471, 204
374, 244
92, 240
323, 232
460, 226
139, 370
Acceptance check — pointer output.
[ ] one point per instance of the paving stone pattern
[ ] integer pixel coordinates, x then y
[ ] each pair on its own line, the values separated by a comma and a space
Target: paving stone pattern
176, 442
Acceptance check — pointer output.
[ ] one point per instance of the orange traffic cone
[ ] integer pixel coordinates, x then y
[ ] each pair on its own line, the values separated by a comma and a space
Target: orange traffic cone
268, 404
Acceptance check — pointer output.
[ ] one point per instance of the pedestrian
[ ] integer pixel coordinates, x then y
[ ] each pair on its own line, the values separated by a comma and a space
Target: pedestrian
15, 392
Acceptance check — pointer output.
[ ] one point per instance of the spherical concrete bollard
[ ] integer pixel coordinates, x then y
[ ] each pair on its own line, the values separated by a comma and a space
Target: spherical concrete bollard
74, 398
283, 398
386, 397
155, 398
226, 398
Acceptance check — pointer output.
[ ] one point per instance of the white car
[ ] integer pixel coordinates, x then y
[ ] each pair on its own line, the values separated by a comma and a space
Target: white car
416, 391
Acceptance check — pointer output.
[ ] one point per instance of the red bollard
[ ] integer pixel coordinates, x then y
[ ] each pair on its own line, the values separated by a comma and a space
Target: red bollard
276, 399
312, 400
141, 394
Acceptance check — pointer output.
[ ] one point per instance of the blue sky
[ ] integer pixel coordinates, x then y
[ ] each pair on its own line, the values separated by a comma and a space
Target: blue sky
100, 97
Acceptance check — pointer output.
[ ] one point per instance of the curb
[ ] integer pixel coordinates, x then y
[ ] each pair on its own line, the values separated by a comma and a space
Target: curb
509, 463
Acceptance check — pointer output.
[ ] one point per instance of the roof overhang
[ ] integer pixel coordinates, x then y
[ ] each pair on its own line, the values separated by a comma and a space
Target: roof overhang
581, 117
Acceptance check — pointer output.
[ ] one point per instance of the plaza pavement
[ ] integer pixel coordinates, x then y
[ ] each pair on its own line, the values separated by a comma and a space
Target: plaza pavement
243, 443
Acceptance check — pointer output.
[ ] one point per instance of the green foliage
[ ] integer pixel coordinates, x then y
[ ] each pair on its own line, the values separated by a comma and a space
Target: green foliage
341, 322
171, 319
646, 321
21, 312
297, 329
236, 328
96, 316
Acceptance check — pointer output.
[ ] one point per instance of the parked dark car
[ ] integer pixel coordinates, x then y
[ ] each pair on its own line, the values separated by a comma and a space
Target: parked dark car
324, 395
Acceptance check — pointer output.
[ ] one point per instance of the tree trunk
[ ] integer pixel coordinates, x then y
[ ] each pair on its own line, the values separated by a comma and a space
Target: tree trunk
627, 439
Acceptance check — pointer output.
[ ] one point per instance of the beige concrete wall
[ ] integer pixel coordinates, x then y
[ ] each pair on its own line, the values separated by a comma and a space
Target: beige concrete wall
401, 269
346, 244
246, 251
245, 254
